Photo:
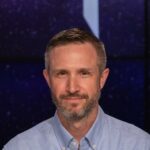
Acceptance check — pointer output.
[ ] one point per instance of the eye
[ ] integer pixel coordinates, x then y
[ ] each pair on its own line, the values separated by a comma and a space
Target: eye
61, 73
85, 73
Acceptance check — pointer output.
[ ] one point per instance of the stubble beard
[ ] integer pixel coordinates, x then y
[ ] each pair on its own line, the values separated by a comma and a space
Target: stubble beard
90, 104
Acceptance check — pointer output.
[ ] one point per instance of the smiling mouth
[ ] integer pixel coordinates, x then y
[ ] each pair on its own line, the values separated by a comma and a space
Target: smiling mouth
73, 99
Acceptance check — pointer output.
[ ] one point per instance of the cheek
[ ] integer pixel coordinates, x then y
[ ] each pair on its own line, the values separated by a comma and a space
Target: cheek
91, 86
57, 87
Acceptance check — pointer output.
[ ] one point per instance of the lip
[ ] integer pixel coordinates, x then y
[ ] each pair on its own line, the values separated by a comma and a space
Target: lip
73, 99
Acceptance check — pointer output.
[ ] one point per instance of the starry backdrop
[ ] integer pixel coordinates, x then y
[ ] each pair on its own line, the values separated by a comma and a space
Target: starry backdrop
26, 27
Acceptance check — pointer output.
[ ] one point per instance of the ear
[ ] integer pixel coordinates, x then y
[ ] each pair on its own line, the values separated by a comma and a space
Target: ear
104, 77
46, 76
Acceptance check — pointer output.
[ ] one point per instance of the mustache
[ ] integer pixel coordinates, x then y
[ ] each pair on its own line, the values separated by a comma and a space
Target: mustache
74, 95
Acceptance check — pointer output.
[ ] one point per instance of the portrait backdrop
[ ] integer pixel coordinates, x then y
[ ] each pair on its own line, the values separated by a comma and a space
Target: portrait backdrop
26, 27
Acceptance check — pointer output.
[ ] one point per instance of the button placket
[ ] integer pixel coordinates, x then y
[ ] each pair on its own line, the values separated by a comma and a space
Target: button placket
74, 145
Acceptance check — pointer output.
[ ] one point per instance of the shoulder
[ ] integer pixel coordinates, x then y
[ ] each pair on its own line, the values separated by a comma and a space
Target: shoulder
127, 134
33, 137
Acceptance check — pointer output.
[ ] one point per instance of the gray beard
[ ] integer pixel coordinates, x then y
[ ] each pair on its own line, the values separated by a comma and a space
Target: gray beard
77, 116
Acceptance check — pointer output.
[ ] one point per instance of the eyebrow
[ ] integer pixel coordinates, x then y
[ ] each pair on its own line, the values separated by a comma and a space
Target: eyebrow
86, 69
58, 70
78, 70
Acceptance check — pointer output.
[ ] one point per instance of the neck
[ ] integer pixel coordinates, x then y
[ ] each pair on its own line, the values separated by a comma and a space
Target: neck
78, 129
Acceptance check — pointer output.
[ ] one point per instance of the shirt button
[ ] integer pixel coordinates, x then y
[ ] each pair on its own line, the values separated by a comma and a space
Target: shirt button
94, 147
75, 144
63, 148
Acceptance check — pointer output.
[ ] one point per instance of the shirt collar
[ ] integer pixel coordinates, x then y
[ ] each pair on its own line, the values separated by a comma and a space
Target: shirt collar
64, 137
96, 129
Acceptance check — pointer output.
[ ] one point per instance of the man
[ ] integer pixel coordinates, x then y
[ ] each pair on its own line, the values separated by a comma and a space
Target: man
75, 70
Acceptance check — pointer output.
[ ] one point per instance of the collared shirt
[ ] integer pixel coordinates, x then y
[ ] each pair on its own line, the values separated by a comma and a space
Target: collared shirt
67, 141
107, 133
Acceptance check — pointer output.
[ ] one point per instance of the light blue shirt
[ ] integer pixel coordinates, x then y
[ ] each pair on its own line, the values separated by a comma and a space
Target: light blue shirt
107, 133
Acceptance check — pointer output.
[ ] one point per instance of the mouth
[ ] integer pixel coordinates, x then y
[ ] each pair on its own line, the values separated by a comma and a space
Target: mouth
73, 99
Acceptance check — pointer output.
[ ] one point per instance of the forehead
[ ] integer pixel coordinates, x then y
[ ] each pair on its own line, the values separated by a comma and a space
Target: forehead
73, 55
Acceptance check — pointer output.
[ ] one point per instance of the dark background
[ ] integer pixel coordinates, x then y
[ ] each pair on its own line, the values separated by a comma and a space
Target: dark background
25, 28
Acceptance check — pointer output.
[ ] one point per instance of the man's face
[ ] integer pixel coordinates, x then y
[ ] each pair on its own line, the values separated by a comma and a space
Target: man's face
75, 80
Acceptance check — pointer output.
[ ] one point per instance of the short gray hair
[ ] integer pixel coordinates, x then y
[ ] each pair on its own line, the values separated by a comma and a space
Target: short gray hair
76, 35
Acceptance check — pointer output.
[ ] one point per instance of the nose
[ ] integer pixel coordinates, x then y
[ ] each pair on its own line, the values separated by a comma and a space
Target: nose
72, 85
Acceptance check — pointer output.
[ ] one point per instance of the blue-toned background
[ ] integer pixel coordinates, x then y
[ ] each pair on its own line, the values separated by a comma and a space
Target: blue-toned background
25, 28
